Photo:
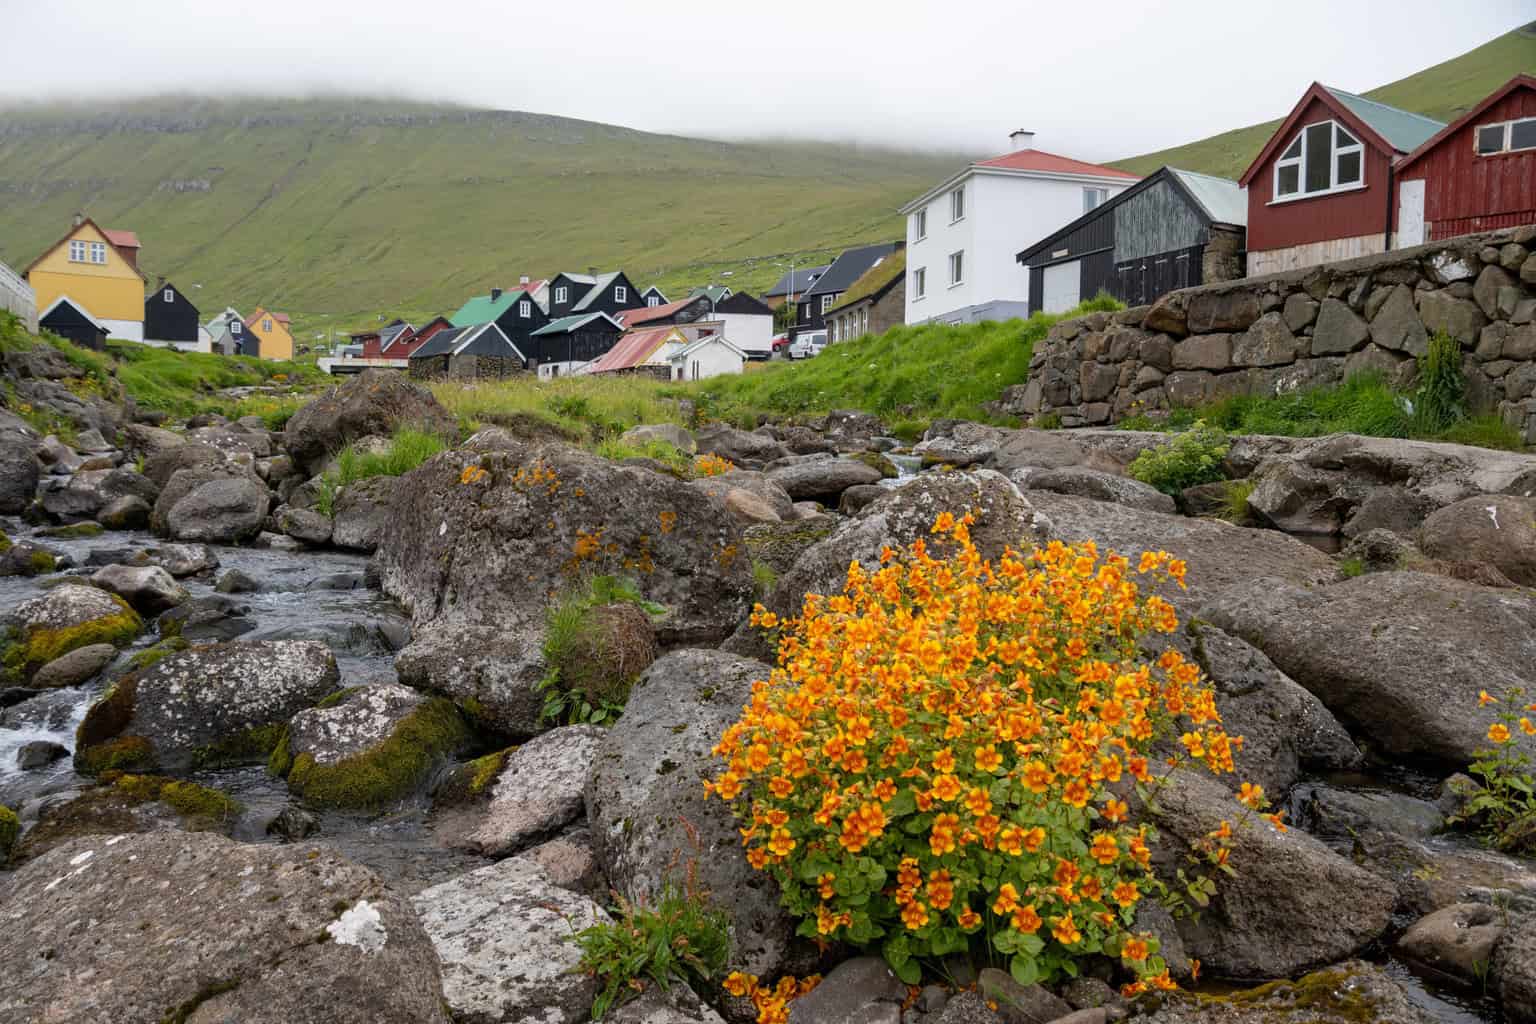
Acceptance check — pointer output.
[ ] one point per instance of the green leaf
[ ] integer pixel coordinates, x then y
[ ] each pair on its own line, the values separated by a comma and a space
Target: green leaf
909, 971
1031, 944
901, 805
1025, 969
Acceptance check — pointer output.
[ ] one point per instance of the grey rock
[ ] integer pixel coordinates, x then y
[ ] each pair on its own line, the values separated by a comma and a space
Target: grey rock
1339, 329
1498, 529
142, 440
1095, 484
821, 478
211, 617
362, 510
19, 473
78, 666
149, 589
754, 483
1332, 812
268, 541
503, 935
570, 862
678, 1005
64, 610
241, 940
1397, 326
1232, 310
968, 1008
373, 403
1269, 342
1020, 1004
236, 582
1514, 960
538, 793
86, 493
304, 524
1299, 311
1485, 292
166, 463
491, 672
293, 824
850, 990
856, 499
1340, 994
39, 754
1456, 941
1203, 352
746, 449
183, 560
1459, 318
224, 510
128, 512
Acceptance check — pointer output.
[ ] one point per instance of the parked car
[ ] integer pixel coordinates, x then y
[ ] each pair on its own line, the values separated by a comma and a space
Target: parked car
808, 345
781, 346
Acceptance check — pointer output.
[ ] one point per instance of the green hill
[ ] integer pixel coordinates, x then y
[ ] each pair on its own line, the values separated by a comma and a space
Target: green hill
336, 209
1443, 92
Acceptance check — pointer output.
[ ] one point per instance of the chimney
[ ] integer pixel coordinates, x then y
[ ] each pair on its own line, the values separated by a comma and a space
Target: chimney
79, 219
591, 271
523, 279
1021, 139
495, 294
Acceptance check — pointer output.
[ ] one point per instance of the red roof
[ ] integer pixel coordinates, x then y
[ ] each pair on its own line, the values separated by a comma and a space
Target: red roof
122, 239
281, 318
1035, 160
632, 349
645, 314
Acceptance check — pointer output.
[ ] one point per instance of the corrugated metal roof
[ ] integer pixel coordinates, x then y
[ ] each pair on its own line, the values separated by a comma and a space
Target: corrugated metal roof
571, 323
1224, 200
482, 309
122, 239
1405, 131
633, 349
645, 314
440, 344
804, 278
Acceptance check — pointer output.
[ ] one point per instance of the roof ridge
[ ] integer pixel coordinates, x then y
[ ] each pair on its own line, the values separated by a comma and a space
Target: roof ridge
1384, 106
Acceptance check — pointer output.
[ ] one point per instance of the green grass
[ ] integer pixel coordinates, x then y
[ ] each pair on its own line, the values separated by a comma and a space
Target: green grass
1443, 92
408, 448
587, 407
661, 451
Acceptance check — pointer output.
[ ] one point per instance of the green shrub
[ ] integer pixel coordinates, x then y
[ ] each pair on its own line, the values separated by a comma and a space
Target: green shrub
679, 939
1235, 501
570, 634
1349, 568
1501, 805
663, 452
408, 448
1442, 394
1193, 457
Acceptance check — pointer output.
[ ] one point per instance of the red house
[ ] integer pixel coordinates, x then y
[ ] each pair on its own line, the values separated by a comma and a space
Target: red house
406, 342
1478, 173
1322, 188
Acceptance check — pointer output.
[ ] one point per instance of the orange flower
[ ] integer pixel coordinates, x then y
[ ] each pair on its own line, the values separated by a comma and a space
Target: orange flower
1026, 920
739, 984
1007, 899
1135, 950
1104, 849
1065, 930
1498, 732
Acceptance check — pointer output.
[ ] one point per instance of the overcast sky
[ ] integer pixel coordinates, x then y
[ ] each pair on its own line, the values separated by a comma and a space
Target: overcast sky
1094, 80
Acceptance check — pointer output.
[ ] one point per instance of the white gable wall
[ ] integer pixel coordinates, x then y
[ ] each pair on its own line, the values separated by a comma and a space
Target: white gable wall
710, 359
751, 332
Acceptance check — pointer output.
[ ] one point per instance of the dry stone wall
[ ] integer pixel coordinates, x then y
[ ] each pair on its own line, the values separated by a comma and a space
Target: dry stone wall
1304, 328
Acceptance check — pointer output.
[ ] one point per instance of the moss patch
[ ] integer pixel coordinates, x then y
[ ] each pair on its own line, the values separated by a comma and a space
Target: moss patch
876, 461
73, 531
199, 806
388, 771
105, 721
150, 655
126, 753
41, 563
26, 652
471, 780
5, 543
10, 828
251, 747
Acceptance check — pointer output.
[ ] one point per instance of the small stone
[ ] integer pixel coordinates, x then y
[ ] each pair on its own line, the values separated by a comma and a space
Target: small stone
236, 582
74, 668
292, 824
39, 754
1020, 1004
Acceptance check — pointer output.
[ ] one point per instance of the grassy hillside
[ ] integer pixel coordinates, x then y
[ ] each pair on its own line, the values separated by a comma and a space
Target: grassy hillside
1443, 92
332, 209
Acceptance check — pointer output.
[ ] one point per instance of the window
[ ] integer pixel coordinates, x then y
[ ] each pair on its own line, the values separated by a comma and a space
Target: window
920, 225
826, 303
561, 293
99, 252
1323, 157
1092, 197
653, 300
957, 204
525, 309
1506, 137
77, 252
234, 326
956, 268
266, 327
169, 296
620, 294
919, 282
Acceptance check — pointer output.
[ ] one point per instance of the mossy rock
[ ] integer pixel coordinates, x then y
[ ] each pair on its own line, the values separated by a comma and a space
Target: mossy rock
251, 747
25, 650
10, 829
73, 531
874, 460
127, 802
386, 771
150, 655
471, 781
5, 542
607, 654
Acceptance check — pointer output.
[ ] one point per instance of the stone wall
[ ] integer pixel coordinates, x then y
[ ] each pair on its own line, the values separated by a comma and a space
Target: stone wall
1303, 328
1222, 259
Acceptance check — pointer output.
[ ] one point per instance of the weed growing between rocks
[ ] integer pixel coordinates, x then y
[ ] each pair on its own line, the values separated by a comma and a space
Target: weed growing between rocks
1442, 394
934, 765
1190, 458
667, 454
679, 938
597, 640
1502, 805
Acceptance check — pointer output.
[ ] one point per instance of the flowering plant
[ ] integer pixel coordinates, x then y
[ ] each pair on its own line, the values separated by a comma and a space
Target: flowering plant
939, 762
711, 465
1503, 802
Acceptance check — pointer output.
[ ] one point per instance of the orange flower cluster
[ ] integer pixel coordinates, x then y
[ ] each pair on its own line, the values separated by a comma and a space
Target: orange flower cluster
711, 465
772, 1002
936, 759
472, 475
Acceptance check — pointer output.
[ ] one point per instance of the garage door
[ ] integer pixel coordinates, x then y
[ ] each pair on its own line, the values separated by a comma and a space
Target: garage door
1062, 283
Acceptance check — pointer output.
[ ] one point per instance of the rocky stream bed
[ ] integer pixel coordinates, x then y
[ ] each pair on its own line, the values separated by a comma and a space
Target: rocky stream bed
269, 762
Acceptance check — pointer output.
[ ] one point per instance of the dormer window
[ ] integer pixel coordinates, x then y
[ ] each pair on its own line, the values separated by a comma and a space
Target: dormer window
1322, 158
653, 300
620, 294
561, 293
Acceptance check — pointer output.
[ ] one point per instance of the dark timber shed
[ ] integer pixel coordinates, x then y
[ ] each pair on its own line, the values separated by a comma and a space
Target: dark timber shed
1170, 230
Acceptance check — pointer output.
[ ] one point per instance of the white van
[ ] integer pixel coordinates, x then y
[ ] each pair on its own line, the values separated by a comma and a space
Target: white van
808, 344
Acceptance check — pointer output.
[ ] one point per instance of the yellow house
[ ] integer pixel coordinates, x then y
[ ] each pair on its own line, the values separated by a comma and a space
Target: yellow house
273, 332
98, 270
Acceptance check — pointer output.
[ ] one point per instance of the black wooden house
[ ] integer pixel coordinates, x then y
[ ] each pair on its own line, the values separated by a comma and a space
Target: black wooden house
68, 320
170, 317
570, 294
810, 311
1170, 230
563, 344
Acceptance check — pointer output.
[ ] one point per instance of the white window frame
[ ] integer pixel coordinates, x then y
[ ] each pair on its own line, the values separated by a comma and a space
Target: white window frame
920, 225
957, 260
1098, 194
1507, 137
957, 205
78, 253
99, 253
653, 301
169, 295
525, 309
620, 294
919, 283
561, 293
1299, 161
266, 326
826, 302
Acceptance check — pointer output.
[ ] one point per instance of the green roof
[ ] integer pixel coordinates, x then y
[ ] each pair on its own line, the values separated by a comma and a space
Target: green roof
569, 323
482, 309
716, 292
1403, 130
875, 278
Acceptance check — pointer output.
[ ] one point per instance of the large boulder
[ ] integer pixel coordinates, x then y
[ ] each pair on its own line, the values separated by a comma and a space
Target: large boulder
491, 674
85, 494
149, 589
167, 462
129, 804
646, 803
78, 666
67, 617
1344, 993
1514, 970
491, 538
1095, 484
198, 929
221, 511
1292, 903
1498, 529
19, 472
362, 512
1400, 657
822, 478
539, 791
756, 484
1456, 941
373, 745
505, 938
745, 448
228, 703
373, 403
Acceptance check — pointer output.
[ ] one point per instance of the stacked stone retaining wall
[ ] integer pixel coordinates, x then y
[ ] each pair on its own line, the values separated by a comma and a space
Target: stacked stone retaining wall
1304, 328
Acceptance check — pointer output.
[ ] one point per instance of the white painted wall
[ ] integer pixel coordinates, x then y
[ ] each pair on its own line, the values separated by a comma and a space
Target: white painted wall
1005, 213
126, 330
18, 297
709, 359
750, 332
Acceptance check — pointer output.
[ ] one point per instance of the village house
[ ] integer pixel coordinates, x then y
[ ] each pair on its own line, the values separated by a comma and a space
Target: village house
68, 319
16, 296
1478, 173
874, 303
591, 293
653, 296
683, 311
98, 270
272, 332
477, 352
1170, 230
642, 352
171, 320
963, 234
711, 355
747, 322
792, 285
1321, 189
714, 292
232, 339
821, 296
515, 311
563, 346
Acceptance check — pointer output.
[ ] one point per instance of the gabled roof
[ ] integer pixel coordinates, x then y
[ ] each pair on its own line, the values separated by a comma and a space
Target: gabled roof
482, 309
659, 293
121, 239
566, 324
65, 300
1518, 82
708, 339
636, 348
104, 234
630, 318
804, 278
876, 281
743, 304
599, 285
389, 334
849, 267
442, 343
261, 311
577, 278
1385, 129
487, 336
713, 292
1026, 163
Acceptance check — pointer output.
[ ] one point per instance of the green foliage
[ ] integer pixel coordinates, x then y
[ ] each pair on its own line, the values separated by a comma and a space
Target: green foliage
682, 938
1349, 568
1235, 501
667, 454
763, 578
471, 780
388, 771
573, 407
567, 628
1501, 806
10, 829
1442, 394
1189, 458
182, 383
408, 448
147, 657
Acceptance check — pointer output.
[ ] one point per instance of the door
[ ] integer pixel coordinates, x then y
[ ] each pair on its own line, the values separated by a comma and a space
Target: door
1410, 212
1063, 281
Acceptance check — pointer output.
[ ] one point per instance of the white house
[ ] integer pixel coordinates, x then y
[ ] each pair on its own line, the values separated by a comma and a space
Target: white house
963, 234
747, 322
710, 356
